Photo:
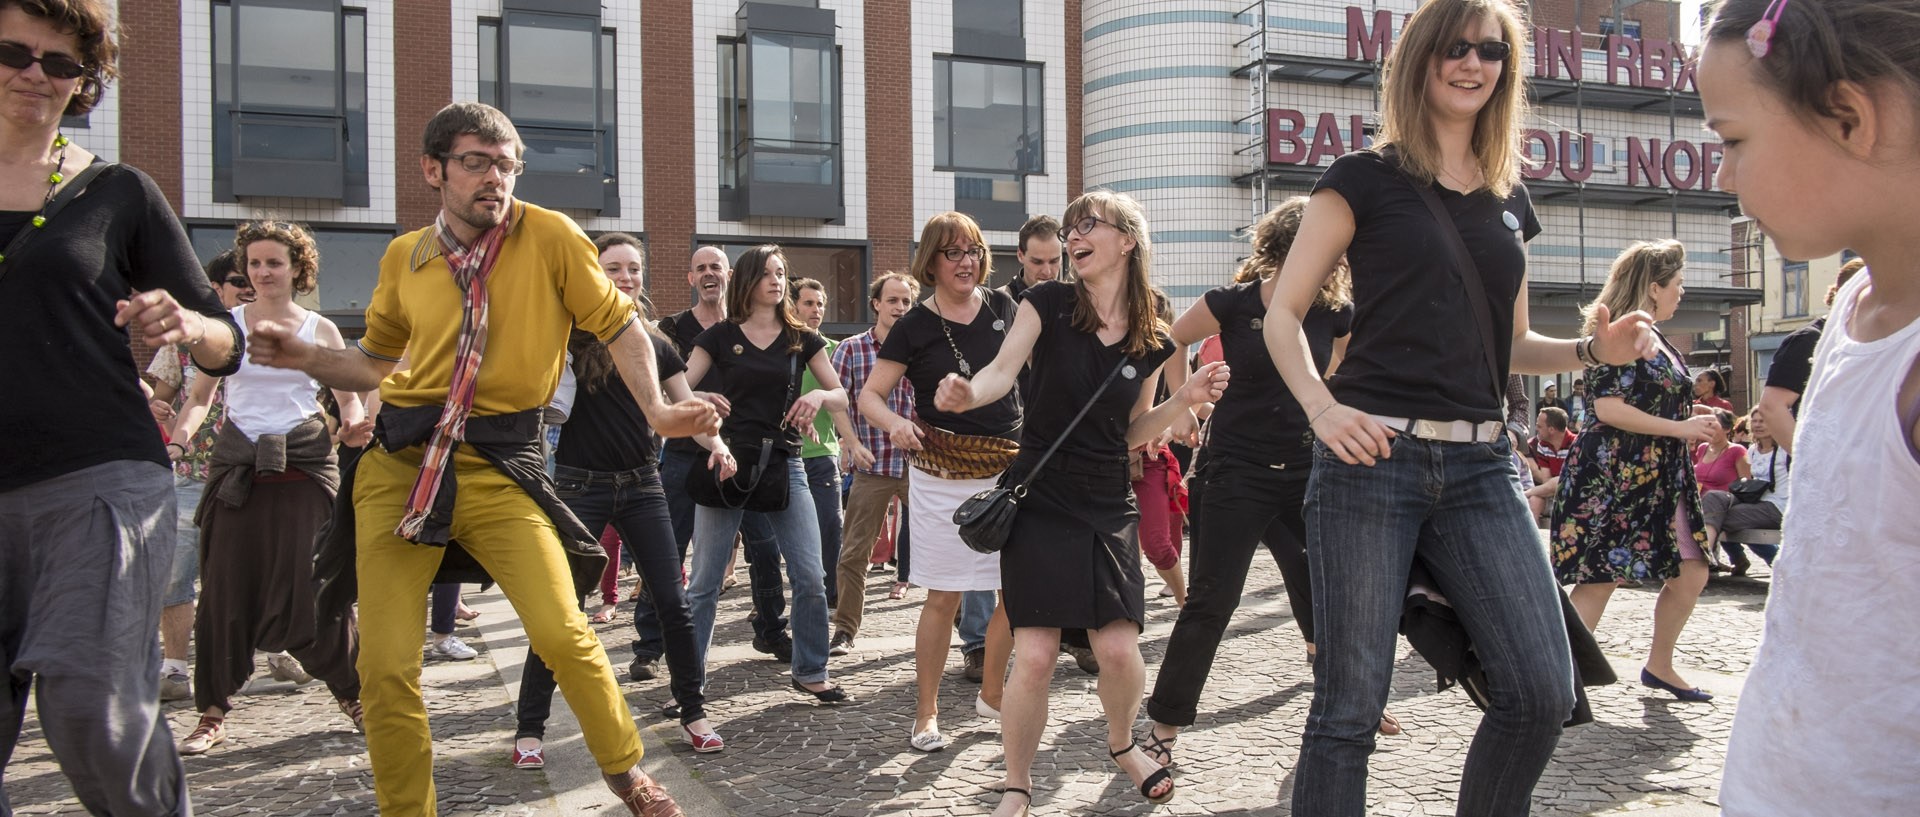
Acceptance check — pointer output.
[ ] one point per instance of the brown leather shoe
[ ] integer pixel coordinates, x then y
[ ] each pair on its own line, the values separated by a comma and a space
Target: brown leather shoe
642, 796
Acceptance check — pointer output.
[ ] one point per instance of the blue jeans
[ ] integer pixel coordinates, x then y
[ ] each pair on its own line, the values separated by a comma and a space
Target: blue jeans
823, 481
797, 531
1458, 508
976, 607
186, 544
763, 563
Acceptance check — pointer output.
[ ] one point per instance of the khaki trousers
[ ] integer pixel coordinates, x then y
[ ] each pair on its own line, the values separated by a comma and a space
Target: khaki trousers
867, 500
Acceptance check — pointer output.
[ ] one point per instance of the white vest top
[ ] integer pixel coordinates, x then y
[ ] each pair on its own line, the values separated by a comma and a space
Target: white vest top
1829, 722
265, 400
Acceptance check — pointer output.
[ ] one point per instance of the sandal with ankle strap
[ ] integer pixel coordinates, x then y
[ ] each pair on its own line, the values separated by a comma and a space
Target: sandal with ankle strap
1147, 785
1023, 793
1159, 749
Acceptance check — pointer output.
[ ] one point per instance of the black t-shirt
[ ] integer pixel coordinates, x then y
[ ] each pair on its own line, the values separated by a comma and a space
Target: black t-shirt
918, 343
1416, 349
80, 403
606, 431
1793, 361
681, 328
1257, 416
1068, 365
755, 381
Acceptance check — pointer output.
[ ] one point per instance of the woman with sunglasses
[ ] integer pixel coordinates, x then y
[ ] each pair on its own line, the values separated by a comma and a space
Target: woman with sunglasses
1411, 460
759, 352
81, 276
1071, 566
257, 525
957, 329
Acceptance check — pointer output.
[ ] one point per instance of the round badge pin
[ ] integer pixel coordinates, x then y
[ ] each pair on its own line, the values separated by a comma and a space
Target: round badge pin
999, 325
1256, 323
1128, 371
1512, 221
738, 349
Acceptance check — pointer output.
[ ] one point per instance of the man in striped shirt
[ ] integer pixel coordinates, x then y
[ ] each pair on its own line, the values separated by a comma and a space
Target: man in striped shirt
874, 487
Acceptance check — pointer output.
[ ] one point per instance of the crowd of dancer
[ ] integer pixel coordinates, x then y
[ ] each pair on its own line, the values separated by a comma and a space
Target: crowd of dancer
1350, 409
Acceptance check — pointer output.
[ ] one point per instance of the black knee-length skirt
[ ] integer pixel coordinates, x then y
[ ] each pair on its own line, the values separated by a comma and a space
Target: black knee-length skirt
1072, 560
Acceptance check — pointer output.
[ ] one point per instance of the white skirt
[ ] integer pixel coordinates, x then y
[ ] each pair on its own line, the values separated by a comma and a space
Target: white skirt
940, 560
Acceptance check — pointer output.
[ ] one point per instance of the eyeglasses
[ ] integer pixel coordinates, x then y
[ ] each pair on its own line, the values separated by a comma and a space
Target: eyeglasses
239, 283
56, 65
1084, 226
954, 254
1760, 35
478, 163
1490, 51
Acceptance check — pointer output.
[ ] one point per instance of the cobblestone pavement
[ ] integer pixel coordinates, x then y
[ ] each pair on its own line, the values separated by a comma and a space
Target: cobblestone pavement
290, 752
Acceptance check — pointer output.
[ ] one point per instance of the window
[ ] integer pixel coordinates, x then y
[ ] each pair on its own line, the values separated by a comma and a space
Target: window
289, 100
989, 128
1793, 289
349, 266
989, 28
1631, 29
779, 116
842, 268
550, 67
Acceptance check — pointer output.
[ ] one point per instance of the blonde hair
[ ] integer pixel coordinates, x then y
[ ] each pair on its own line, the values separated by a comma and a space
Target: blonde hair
1272, 238
1630, 282
1143, 321
1404, 123
940, 231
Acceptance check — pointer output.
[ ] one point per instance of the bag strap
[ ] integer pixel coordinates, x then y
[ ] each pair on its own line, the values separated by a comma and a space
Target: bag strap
1469, 274
1021, 489
60, 201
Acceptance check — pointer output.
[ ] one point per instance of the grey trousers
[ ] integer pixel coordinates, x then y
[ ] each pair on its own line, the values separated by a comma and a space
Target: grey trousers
84, 559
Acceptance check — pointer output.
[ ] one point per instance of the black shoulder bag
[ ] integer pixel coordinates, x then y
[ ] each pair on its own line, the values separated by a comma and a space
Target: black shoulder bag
1753, 490
1469, 277
760, 479
986, 518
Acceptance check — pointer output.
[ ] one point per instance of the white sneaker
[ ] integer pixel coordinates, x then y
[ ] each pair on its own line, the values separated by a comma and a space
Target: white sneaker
284, 667
451, 648
174, 685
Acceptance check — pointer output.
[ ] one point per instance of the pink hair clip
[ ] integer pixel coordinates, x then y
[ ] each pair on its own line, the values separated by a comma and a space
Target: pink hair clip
1760, 36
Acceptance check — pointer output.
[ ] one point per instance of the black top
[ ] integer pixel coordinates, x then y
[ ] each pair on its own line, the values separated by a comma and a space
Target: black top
918, 343
1793, 361
606, 431
1257, 416
681, 328
1068, 365
1016, 288
755, 381
80, 403
1416, 349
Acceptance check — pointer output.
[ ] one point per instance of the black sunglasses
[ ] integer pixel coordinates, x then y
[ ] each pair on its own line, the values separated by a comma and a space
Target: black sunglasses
239, 283
56, 65
1490, 51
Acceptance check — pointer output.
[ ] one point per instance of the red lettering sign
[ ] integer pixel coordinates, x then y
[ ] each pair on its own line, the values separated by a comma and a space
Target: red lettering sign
1283, 136
1542, 166
1362, 45
1567, 152
1692, 153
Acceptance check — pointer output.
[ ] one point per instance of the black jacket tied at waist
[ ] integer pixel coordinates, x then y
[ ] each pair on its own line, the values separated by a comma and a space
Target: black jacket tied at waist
236, 461
511, 443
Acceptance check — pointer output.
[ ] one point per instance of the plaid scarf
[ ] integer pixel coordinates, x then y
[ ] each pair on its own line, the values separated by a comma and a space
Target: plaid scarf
471, 266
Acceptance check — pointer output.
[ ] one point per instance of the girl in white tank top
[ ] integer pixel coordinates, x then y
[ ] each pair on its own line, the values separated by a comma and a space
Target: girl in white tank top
270, 400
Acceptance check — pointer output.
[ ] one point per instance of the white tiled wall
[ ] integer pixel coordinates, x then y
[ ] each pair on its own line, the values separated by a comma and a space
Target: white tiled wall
101, 137
196, 131
713, 19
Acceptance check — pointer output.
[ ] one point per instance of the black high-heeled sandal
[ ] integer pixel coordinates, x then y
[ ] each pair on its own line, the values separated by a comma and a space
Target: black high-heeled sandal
1159, 749
1147, 785
830, 695
1023, 793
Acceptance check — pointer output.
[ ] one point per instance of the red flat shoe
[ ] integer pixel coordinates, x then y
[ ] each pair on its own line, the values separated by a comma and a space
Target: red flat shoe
709, 742
535, 758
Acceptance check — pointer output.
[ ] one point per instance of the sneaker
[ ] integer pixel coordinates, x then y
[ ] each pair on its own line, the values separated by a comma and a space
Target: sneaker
976, 664
842, 644
175, 685
284, 667
642, 669
210, 732
451, 648
703, 743
1084, 657
535, 758
782, 650
351, 709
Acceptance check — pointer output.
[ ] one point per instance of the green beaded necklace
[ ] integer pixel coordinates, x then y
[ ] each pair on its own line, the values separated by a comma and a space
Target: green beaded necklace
53, 183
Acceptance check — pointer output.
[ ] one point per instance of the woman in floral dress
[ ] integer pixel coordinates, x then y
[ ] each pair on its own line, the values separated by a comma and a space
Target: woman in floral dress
1628, 508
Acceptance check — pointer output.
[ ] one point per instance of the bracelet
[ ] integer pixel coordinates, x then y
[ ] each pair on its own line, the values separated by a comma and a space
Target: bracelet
1324, 410
1583, 351
183, 449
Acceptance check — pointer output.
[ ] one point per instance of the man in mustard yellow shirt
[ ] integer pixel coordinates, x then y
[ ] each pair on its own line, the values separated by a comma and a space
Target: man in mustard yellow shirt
481, 304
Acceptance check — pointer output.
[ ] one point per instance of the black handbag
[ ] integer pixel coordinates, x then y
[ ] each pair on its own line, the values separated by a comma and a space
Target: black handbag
1753, 490
986, 518
760, 482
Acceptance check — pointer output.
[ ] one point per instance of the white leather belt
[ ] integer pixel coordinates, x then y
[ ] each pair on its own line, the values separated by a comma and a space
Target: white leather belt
1446, 431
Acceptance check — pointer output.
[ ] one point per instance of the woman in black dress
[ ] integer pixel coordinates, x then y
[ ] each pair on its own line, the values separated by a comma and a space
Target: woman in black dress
1249, 480
1072, 560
